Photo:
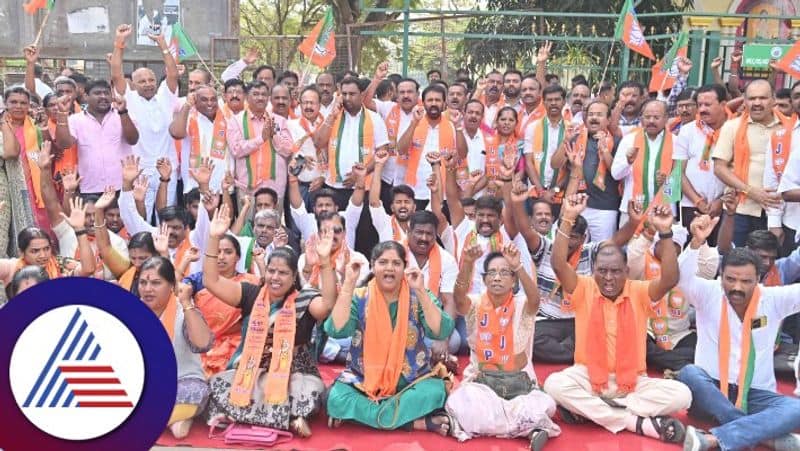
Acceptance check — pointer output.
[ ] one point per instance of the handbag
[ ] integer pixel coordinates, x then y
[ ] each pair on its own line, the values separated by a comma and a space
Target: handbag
507, 385
243, 434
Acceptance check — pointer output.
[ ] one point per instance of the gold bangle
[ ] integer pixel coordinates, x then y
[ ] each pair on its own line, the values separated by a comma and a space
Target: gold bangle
562, 233
212, 256
568, 221
191, 307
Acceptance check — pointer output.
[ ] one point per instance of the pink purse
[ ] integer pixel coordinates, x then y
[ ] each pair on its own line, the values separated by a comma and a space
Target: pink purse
244, 434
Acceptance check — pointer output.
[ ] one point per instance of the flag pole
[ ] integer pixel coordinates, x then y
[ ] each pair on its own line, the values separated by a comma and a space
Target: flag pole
605, 70
41, 28
213, 77
308, 65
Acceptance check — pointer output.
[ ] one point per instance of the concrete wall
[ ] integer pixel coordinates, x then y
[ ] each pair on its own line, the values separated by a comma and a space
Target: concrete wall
201, 19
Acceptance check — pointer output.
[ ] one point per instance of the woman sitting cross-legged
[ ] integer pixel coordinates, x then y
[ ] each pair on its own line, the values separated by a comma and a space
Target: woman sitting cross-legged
500, 377
387, 383
275, 382
190, 336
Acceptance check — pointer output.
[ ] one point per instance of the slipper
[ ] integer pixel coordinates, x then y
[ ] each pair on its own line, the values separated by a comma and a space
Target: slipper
669, 429
569, 417
430, 426
538, 439
695, 440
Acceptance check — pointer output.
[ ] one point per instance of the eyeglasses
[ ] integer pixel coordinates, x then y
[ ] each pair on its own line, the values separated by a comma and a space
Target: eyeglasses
503, 273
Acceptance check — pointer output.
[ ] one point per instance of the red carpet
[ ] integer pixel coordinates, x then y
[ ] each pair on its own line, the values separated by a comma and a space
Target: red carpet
354, 437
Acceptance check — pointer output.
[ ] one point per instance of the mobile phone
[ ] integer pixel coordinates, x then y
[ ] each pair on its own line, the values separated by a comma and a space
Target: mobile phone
300, 162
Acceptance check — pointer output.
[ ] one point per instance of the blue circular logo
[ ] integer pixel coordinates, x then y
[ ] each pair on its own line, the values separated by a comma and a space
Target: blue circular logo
89, 367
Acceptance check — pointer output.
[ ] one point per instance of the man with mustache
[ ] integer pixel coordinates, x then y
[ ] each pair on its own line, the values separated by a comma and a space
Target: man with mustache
233, 94
151, 106
739, 158
736, 389
554, 337
644, 158
542, 139
291, 81
599, 147
579, 96
260, 143
302, 131
280, 101
608, 384
626, 111
204, 129
702, 190
781, 171
533, 107
396, 226
456, 98
480, 143
326, 85
488, 91
512, 81
686, 108
103, 135
397, 117
427, 133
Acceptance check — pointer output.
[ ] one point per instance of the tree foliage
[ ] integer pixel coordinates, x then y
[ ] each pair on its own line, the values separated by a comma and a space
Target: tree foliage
482, 53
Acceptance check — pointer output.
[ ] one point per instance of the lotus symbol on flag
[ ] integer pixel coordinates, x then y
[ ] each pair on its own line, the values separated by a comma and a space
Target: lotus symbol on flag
637, 37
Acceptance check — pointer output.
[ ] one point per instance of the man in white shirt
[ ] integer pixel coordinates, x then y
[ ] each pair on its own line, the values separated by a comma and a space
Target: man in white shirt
655, 144
732, 380
702, 190
302, 131
201, 120
397, 116
780, 167
477, 141
151, 106
396, 226
326, 85
542, 139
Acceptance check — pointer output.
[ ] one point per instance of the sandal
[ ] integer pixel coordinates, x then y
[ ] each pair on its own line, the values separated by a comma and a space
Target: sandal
334, 423
569, 417
300, 427
538, 439
669, 429
443, 429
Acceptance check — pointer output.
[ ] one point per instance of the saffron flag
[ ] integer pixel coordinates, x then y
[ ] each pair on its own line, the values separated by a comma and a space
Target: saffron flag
35, 5
180, 45
790, 63
630, 32
665, 72
320, 46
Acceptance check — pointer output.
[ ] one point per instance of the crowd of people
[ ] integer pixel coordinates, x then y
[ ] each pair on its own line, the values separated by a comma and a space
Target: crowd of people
512, 219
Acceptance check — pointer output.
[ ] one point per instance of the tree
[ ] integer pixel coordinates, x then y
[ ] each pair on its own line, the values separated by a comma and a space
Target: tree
485, 53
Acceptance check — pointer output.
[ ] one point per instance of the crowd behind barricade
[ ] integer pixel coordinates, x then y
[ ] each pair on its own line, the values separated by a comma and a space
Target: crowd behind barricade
513, 219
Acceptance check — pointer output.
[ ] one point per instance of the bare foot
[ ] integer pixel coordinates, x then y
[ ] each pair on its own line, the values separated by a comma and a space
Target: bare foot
181, 428
300, 427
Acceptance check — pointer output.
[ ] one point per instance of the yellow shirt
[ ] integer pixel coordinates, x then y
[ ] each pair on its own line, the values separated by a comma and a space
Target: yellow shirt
758, 136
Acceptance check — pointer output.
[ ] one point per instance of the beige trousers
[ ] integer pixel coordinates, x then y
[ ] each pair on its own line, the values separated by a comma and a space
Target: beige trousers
572, 390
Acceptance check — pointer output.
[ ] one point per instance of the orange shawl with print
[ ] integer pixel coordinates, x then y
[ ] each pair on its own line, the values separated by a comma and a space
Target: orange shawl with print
447, 144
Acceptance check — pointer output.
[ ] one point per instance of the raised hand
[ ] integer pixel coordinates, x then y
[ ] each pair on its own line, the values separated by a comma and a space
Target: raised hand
456, 117
281, 238
418, 113
106, 199
269, 127
31, 54
574, 205
381, 157
130, 168
661, 178
730, 200
317, 183
572, 131
70, 180
480, 85
662, 218
140, 186
415, 279
352, 271
736, 57
64, 104
684, 65
382, 70
509, 164
227, 182
716, 63
158, 36
77, 214
512, 255
117, 101
164, 168
432, 183
220, 222
325, 246
123, 31
433, 158
574, 155
202, 173
701, 227
519, 192
543, 54
210, 200
472, 253
192, 254
636, 210
161, 240
45, 158
191, 99
251, 56
359, 173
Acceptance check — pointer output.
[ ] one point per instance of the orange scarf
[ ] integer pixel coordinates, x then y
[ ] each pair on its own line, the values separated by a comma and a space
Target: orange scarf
69, 157
276, 384
494, 346
398, 234
384, 353
781, 147
309, 128
51, 267
711, 140
219, 143
772, 278
365, 146
747, 355
168, 316
641, 168
393, 128
741, 153
582, 143
340, 259
33, 143
672, 305
674, 125
447, 144
596, 345
260, 164
523, 122
492, 160
181, 251
126, 279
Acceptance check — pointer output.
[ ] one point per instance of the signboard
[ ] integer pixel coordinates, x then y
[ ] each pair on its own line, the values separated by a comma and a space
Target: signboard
757, 56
